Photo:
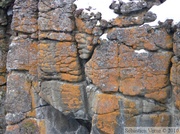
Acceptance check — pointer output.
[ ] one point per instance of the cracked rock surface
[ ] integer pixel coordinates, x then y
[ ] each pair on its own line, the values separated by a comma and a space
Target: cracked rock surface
64, 71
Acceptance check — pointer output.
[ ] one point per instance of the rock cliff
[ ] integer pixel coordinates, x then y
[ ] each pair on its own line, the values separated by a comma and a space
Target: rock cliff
64, 71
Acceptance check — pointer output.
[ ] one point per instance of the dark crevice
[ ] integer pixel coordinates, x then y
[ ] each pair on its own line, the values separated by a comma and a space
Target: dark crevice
85, 123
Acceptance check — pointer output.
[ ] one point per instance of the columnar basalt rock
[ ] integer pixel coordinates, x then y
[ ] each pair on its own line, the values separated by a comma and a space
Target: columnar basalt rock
74, 72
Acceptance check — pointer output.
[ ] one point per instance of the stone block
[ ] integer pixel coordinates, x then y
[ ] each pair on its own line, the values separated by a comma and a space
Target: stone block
23, 55
145, 36
66, 97
59, 60
59, 19
114, 112
18, 93
116, 67
25, 16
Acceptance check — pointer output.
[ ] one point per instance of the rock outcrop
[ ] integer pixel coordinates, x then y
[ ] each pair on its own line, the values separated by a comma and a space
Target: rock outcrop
64, 71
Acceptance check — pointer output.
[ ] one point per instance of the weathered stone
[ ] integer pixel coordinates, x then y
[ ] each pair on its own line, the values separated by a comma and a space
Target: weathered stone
14, 118
2, 109
23, 55
112, 113
3, 55
176, 93
27, 126
175, 80
131, 7
85, 45
66, 97
85, 26
139, 19
59, 19
156, 120
17, 96
64, 78
58, 123
59, 60
25, 16
2, 80
106, 123
175, 71
142, 37
176, 44
113, 66
56, 36
46, 5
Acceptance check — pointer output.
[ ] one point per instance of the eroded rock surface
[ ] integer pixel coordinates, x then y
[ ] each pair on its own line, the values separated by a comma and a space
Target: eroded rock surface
64, 71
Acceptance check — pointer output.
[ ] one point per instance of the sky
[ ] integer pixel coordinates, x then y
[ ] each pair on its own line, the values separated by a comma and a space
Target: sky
170, 9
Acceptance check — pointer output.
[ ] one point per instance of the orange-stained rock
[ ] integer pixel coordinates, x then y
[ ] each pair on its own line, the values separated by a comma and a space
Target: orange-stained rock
2, 80
160, 95
161, 119
176, 93
25, 23
28, 126
134, 19
42, 126
110, 109
71, 97
33, 58
105, 104
59, 60
106, 123
116, 67
82, 27
66, 97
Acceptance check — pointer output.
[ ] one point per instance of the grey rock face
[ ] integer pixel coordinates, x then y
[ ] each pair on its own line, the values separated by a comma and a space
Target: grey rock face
17, 95
14, 118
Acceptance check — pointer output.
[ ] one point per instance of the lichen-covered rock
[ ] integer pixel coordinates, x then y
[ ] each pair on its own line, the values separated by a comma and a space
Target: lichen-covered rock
58, 60
126, 21
14, 118
23, 55
113, 66
66, 97
112, 113
25, 16
85, 45
27, 126
175, 80
65, 76
17, 96
142, 37
59, 19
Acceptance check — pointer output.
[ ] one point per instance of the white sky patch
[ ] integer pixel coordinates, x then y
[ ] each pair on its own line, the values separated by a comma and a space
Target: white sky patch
141, 51
101, 6
170, 9
104, 36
